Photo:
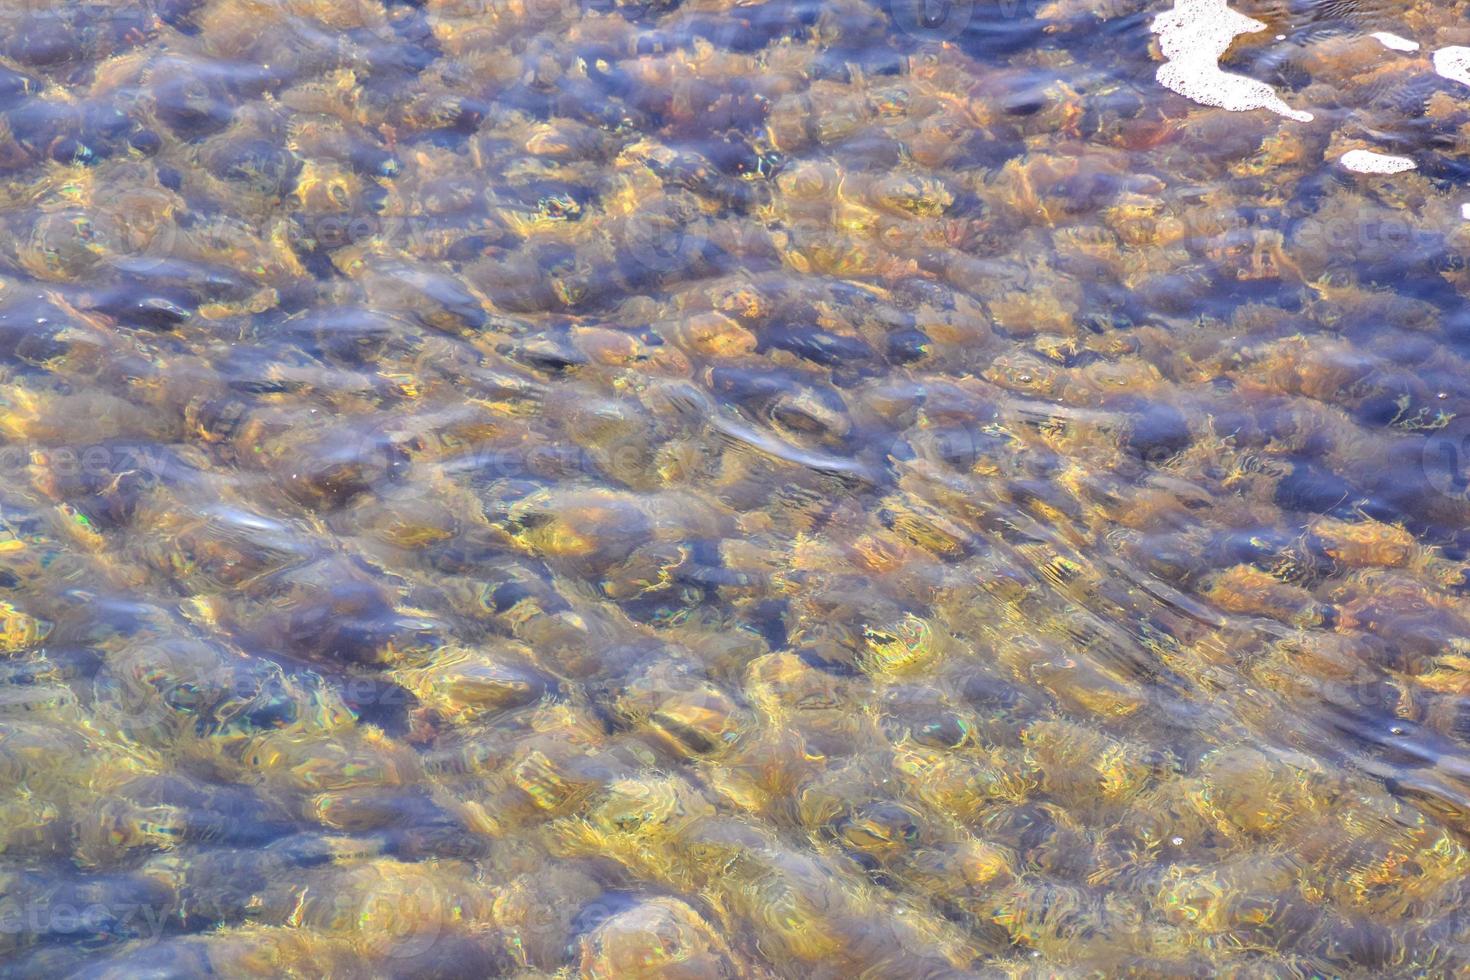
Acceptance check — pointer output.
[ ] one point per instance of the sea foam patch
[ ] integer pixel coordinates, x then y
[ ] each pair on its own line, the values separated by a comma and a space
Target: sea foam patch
1193, 36
1393, 42
1453, 63
1368, 162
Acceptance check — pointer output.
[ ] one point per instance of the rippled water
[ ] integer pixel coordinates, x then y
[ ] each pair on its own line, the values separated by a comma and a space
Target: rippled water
844, 489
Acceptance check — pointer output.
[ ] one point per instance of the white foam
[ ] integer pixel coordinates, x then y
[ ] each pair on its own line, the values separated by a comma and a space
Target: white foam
1368, 162
1453, 63
1465, 211
1193, 36
1393, 42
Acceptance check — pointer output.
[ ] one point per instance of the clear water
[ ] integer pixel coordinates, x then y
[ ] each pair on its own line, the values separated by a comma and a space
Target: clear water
706, 490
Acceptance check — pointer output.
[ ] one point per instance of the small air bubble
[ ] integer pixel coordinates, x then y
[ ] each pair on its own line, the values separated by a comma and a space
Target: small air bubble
1177, 841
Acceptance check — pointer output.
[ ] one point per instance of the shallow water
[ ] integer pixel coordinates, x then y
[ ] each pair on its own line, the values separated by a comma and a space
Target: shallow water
514, 487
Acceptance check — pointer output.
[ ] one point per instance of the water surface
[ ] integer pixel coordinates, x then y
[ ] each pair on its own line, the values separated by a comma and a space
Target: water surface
784, 489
